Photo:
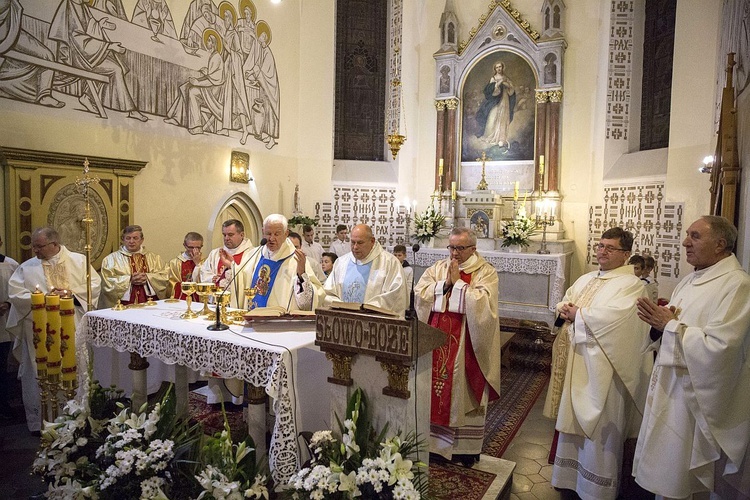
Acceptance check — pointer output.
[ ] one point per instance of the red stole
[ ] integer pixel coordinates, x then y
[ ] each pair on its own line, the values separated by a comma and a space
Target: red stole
186, 274
138, 264
221, 270
444, 359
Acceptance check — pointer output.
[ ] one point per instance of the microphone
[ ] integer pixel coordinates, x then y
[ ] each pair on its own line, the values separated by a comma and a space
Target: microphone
219, 325
415, 247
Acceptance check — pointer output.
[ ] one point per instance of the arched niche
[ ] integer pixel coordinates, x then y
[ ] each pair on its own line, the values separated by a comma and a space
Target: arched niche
241, 207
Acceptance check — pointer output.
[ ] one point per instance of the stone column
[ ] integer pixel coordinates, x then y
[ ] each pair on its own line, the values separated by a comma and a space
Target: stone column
451, 167
439, 140
553, 164
540, 137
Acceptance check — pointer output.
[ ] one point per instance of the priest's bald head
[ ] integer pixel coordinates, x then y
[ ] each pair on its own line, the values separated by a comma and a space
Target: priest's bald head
45, 243
362, 241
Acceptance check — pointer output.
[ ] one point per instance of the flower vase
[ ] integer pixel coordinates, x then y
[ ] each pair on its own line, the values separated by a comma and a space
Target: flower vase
430, 243
514, 248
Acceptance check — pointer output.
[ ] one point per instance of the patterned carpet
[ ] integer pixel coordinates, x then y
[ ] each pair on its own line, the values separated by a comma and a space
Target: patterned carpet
212, 419
450, 481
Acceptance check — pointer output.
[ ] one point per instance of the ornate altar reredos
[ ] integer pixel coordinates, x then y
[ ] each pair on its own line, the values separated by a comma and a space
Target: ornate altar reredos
40, 190
499, 93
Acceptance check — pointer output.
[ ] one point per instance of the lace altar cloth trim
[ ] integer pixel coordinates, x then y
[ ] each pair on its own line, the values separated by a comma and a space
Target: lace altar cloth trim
256, 366
551, 265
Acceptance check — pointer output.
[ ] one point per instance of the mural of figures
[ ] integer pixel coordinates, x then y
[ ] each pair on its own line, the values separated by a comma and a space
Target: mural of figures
18, 79
266, 107
497, 114
83, 43
202, 93
77, 52
155, 15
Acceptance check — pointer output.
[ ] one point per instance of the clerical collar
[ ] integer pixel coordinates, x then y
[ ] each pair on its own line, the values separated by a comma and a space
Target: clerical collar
124, 250
244, 245
602, 272
468, 262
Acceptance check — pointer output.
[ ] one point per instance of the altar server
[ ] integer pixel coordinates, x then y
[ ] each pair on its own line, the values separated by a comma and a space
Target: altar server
312, 248
606, 372
339, 246
186, 266
7, 266
459, 295
132, 273
54, 268
368, 274
696, 426
222, 264
298, 243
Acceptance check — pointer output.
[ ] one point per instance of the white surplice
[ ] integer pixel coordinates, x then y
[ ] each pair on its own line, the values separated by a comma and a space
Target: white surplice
385, 284
605, 383
696, 425
66, 271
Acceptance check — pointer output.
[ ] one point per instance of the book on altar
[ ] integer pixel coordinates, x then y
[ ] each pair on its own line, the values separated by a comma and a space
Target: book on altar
276, 312
354, 306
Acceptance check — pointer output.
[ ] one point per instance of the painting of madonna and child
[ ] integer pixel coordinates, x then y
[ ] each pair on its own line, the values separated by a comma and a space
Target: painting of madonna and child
498, 109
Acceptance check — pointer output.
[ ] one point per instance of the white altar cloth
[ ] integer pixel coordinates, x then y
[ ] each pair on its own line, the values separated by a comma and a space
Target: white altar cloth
265, 358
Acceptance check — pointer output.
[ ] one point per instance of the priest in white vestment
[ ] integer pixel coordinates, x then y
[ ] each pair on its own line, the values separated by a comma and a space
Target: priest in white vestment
282, 277
7, 267
132, 273
54, 268
236, 251
186, 266
367, 275
459, 295
606, 374
696, 426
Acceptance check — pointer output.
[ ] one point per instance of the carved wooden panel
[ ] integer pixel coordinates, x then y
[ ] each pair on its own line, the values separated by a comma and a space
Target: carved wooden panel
41, 191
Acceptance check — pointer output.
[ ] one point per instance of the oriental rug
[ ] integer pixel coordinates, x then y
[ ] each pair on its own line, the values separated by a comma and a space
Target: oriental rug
449, 481
519, 390
212, 418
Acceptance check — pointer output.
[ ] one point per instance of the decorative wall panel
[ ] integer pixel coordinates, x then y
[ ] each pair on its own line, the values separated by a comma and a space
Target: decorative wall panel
620, 69
374, 206
641, 209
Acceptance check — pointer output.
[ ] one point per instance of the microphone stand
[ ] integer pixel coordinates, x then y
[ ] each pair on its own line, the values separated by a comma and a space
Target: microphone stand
412, 312
218, 325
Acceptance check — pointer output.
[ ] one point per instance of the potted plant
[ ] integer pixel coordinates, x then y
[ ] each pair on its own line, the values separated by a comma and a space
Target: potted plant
517, 233
427, 225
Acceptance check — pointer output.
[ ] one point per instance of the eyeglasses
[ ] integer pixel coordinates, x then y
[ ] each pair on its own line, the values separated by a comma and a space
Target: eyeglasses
193, 248
39, 247
609, 249
458, 248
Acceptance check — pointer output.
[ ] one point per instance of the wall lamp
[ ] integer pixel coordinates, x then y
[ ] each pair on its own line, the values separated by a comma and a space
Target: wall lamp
708, 165
239, 169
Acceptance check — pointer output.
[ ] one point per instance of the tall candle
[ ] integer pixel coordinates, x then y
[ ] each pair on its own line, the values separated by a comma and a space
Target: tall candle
440, 167
39, 327
54, 357
68, 338
541, 164
453, 190
515, 192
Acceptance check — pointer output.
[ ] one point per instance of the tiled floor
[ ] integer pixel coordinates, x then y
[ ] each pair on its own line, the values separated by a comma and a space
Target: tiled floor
529, 449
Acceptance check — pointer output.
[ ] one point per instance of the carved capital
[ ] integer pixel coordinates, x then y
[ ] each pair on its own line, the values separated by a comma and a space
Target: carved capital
440, 105
555, 95
542, 96
342, 367
452, 103
137, 362
398, 379
256, 395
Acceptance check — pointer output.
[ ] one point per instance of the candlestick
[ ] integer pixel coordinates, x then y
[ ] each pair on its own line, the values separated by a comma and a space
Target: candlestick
453, 190
54, 357
68, 339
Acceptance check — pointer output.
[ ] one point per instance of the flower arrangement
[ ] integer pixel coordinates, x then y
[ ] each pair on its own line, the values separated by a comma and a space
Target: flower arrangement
428, 224
302, 220
362, 463
518, 231
100, 449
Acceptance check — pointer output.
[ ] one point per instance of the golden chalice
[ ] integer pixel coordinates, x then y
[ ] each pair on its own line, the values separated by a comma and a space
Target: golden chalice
204, 291
250, 294
188, 287
174, 299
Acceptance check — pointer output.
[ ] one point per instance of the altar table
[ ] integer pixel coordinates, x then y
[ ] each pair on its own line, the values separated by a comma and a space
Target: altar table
269, 356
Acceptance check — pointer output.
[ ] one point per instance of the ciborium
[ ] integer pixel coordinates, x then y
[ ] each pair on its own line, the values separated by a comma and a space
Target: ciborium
204, 291
188, 287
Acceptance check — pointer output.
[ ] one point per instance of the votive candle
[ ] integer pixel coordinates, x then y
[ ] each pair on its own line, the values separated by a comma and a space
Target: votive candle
515, 192
440, 167
453, 190
541, 164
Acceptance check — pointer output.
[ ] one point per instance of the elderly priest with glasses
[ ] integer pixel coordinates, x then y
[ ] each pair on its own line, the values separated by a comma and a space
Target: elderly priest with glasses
459, 295
601, 391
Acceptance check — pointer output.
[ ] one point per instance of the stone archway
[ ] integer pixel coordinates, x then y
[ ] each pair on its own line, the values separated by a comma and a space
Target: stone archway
241, 207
